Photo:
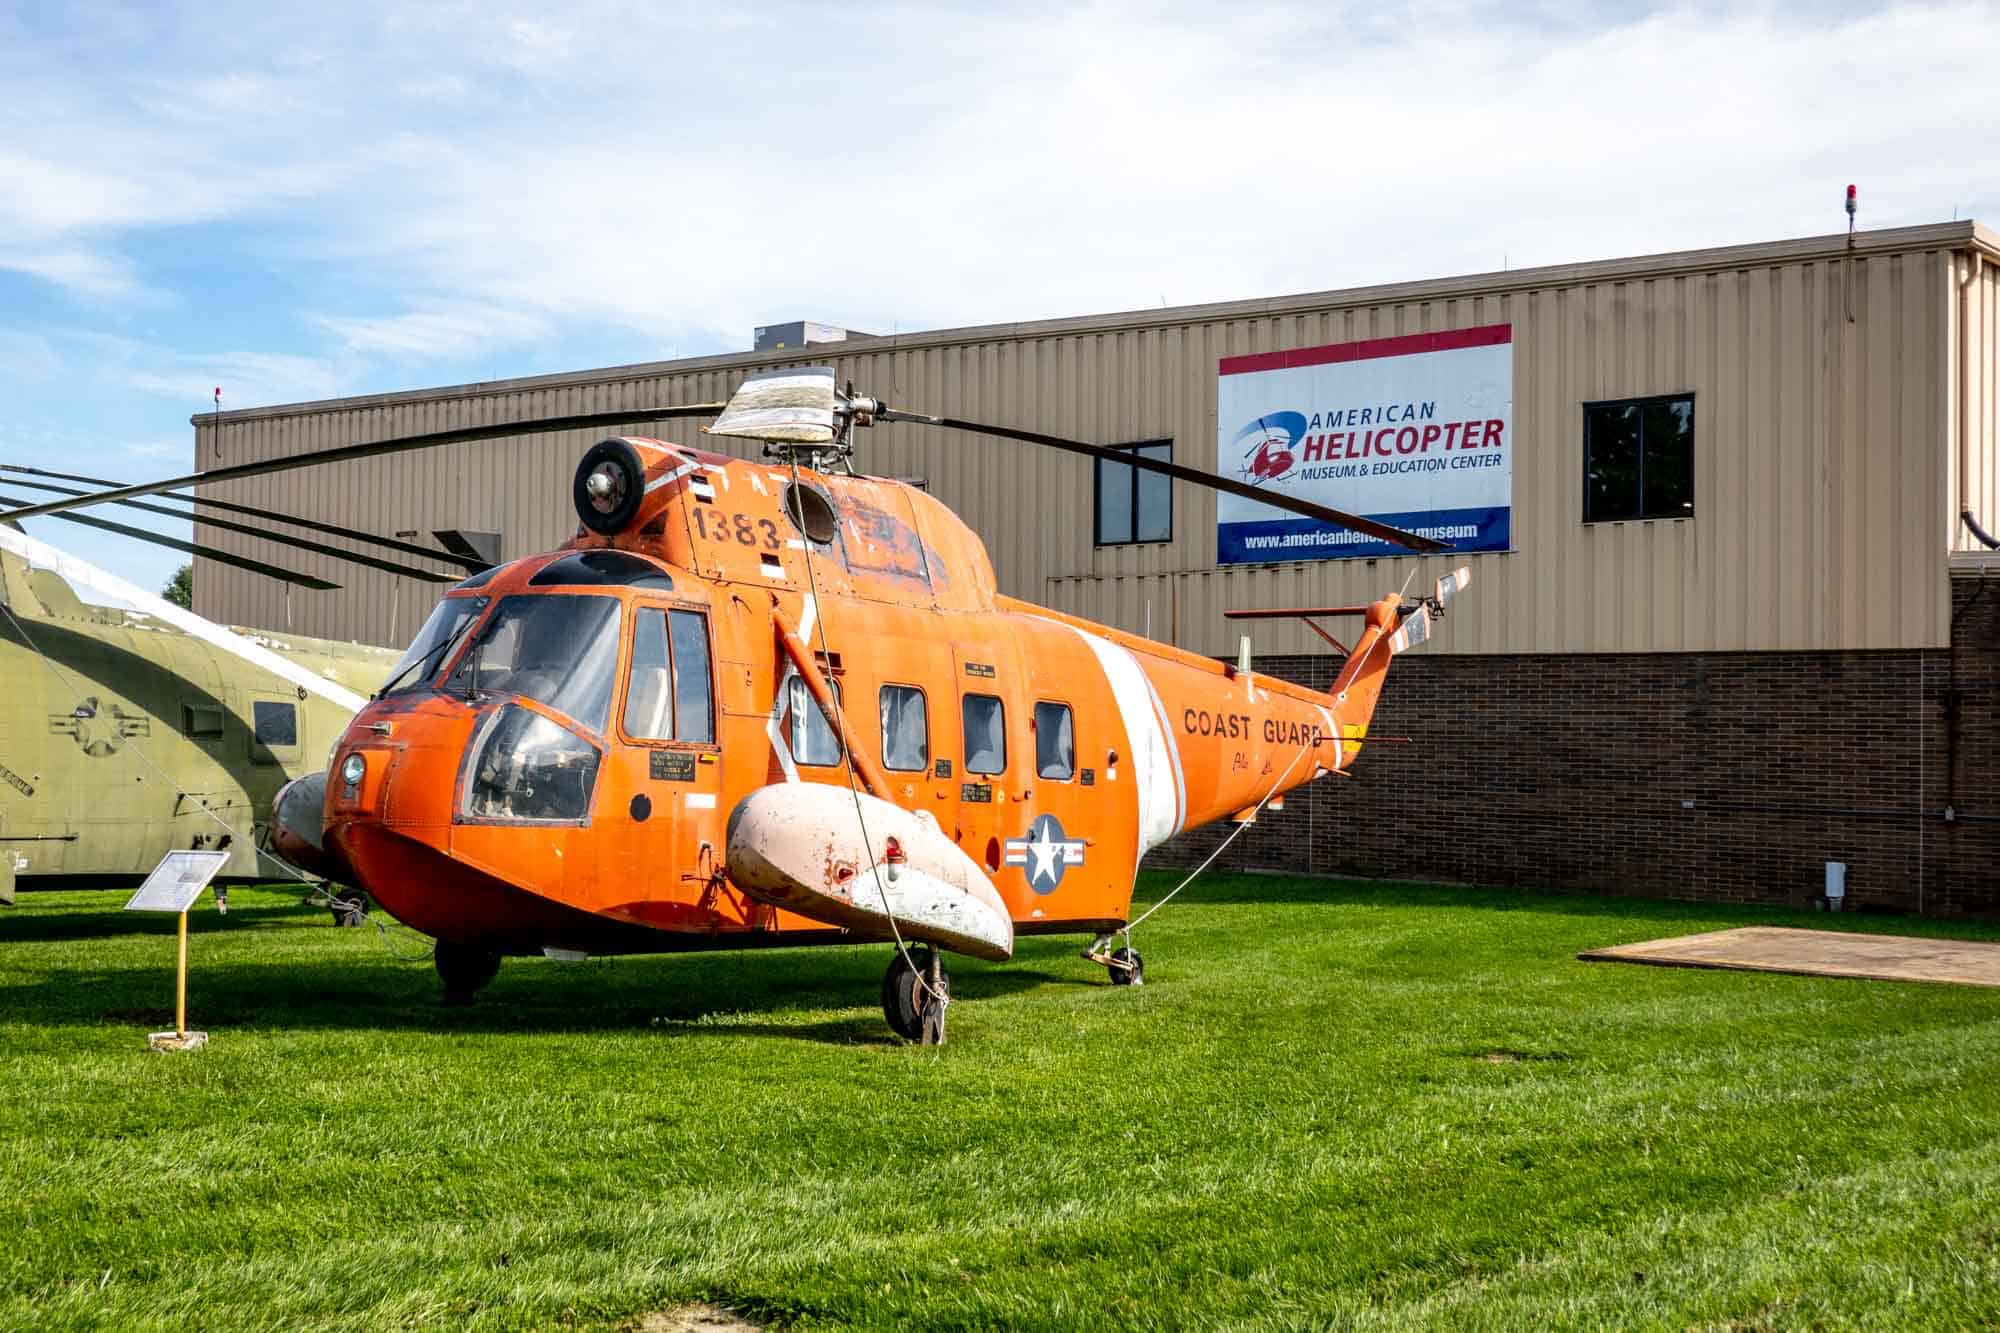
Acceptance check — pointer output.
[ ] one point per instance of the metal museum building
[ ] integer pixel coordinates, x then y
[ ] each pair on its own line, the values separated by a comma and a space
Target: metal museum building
1731, 615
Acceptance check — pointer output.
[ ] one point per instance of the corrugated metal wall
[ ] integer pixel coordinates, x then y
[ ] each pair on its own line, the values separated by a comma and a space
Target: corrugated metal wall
1822, 467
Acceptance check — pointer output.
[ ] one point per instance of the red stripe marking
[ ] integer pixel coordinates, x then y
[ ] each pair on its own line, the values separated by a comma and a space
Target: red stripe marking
1487, 335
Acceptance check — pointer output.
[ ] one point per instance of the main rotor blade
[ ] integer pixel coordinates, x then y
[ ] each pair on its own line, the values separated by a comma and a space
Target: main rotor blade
349, 452
1213, 481
297, 543
467, 563
191, 548
82, 574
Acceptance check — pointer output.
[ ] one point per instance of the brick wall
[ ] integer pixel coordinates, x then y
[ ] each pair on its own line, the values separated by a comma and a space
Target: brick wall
1713, 776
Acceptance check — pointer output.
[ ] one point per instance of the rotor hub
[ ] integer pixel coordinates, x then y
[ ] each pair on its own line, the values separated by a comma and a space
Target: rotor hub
606, 487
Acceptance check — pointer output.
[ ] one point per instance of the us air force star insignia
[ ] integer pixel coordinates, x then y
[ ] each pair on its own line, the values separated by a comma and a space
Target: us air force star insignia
1045, 853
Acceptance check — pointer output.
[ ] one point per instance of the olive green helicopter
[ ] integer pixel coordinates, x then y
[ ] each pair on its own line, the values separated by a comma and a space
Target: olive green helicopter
135, 728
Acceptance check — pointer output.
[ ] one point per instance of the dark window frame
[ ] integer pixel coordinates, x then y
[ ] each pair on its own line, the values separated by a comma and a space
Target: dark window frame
195, 716
666, 612
795, 720
680, 615
965, 738
1098, 537
1641, 402
881, 722
257, 722
1035, 713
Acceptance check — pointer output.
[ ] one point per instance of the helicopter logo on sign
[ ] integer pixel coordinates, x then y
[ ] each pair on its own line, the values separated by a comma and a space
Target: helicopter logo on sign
1044, 854
1269, 455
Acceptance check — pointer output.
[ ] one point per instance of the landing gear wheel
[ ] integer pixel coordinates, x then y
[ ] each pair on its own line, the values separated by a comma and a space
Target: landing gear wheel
464, 968
350, 906
1127, 968
908, 1002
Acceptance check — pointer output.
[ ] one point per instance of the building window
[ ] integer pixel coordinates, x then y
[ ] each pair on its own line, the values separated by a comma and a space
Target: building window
1134, 505
906, 738
985, 722
1638, 458
1055, 742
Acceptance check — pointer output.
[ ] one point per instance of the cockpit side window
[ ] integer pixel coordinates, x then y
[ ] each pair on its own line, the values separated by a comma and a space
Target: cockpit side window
694, 704
668, 696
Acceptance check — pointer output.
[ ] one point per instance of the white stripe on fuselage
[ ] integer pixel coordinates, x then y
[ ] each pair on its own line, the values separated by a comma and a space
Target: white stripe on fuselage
774, 728
1339, 750
1156, 761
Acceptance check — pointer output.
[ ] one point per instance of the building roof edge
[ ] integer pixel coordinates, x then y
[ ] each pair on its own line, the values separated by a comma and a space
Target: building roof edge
1889, 240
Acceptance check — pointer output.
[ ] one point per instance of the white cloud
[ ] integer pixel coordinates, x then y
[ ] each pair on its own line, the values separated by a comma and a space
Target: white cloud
81, 271
882, 165
150, 450
434, 332
247, 379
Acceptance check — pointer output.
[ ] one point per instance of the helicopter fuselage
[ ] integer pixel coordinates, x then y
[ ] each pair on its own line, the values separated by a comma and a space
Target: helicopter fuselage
558, 763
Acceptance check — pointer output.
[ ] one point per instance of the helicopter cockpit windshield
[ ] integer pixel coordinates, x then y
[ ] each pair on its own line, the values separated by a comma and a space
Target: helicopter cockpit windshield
559, 649
432, 645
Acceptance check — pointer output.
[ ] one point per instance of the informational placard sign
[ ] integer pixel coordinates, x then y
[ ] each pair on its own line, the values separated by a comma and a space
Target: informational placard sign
177, 881
1416, 431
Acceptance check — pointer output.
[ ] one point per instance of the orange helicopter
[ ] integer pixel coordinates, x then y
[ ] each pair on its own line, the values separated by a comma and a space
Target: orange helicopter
778, 702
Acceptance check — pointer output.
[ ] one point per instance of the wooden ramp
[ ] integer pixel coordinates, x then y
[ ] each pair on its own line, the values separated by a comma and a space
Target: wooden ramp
1818, 953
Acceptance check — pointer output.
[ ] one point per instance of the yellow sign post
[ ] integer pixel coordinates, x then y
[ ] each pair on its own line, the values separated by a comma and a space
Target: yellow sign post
173, 887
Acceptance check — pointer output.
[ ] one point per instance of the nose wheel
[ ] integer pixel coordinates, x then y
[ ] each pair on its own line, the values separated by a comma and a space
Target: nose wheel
914, 998
350, 907
1125, 965
464, 969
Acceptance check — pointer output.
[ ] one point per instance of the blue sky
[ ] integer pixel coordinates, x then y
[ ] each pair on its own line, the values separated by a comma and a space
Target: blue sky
296, 206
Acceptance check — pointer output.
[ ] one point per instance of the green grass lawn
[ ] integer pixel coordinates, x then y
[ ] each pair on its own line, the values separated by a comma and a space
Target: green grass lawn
1331, 1105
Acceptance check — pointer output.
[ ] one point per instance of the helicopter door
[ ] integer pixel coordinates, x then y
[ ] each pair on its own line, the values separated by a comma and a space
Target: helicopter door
662, 784
989, 758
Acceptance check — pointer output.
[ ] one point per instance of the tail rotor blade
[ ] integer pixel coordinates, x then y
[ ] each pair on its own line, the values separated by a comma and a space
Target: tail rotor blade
1415, 630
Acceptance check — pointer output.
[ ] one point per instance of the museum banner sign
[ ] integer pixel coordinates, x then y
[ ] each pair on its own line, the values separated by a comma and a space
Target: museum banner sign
1415, 431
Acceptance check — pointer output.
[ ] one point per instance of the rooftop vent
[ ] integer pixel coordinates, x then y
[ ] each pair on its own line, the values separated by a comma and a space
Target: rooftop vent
800, 333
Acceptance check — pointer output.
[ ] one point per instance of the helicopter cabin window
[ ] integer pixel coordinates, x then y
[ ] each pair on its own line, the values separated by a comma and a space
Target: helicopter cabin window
1638, 459
201, 721
277, 724
668, 695
557, 649
906, 738
813, 741
1134, 505
985, 721
1055, 742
